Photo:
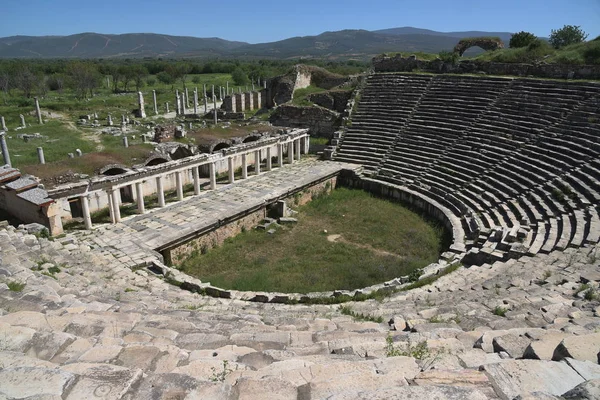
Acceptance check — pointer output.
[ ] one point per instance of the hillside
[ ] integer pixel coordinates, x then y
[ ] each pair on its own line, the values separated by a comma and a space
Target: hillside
94, 45
359, 44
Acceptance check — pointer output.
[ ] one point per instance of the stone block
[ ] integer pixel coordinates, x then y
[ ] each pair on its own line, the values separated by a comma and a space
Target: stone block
518, 377
584, 347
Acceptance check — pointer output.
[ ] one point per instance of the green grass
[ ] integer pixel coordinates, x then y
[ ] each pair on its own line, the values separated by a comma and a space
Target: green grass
380, 240
301, 95
346, 310
15, 286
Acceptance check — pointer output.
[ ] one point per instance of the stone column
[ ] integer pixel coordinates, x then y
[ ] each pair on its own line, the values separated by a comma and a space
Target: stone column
3, 125
183, 108
115, 211
139, 191
297, 146
291, 151
4, 147
40, 153
213, 176
160, 193
227, 88
85, 208
125, 142
187, 98
155, 103
179, 185
215, 112
109, 120
269, 162
306, 144
244, 166
38, 112
231, 169
177, 105
141, 105
279, 155
22, 118
196, 175
205, 104
204, 90
257, 162
196, 101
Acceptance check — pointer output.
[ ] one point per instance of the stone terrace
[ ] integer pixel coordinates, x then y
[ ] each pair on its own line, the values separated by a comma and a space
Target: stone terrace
134, 240
516, 159
95, 328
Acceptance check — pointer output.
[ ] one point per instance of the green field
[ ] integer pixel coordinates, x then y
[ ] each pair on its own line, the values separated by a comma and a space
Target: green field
378, 240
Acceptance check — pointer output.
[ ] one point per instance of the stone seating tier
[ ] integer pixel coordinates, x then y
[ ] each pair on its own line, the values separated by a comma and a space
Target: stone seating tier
498, 145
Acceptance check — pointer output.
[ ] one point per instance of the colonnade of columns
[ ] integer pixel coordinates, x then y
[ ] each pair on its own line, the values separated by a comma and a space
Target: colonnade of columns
294, 149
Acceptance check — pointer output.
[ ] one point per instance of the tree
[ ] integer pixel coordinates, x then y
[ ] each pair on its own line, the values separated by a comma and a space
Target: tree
568, 34
521, 39
84, 77
239, 77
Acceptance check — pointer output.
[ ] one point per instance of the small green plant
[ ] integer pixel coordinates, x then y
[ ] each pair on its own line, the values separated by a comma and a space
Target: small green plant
219, 376
127, 290
346, 310
590, 294
500, 311
581, 288
15, 286
48, 274
54, 270
547, 274
419, 351
415, 275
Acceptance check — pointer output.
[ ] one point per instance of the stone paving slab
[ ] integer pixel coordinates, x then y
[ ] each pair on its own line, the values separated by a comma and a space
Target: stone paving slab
132, 239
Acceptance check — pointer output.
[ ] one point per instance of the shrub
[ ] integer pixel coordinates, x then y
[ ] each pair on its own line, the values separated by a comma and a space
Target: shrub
449, 56
500, 311
521, 39
568, 34
15, 286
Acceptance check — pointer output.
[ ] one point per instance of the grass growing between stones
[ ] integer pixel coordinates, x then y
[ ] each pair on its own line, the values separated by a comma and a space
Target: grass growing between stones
346, 240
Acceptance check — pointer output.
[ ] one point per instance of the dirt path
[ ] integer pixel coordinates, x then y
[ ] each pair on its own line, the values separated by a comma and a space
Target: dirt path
93, 137
340, 239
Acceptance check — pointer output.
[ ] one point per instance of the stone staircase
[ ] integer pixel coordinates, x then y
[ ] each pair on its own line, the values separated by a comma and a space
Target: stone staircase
84, 325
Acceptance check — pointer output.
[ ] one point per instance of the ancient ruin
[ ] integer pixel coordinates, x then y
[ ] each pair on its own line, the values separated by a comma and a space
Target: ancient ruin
510, 166
486, 43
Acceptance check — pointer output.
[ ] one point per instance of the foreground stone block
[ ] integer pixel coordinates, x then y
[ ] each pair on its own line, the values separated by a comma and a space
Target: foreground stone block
413, 393
589, 390
267, 388
518, 377
585, 348
103, 381
23, 382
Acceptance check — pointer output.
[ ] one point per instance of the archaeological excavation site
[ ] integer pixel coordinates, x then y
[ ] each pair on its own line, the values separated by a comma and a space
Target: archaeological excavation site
418, 230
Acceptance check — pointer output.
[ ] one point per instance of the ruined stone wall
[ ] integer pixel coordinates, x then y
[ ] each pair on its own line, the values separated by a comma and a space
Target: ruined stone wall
217, 237
558, 71
333, 100
320, 121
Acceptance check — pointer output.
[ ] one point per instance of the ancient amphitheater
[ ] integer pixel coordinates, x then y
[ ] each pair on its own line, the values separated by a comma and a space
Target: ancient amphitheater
510, 165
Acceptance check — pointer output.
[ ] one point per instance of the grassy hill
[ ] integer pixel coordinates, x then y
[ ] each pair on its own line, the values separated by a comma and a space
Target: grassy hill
345, 44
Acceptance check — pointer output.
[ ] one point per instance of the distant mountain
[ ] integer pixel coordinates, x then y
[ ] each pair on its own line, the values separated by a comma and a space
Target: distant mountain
95, 45
407, 30
346, 44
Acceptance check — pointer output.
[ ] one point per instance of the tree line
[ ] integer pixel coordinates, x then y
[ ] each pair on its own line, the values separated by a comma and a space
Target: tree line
84, 77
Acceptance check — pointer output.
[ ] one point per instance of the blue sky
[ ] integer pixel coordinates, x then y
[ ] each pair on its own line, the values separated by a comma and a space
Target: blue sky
267, 20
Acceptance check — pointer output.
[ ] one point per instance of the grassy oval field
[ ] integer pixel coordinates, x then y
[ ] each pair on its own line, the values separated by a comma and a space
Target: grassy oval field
346, 240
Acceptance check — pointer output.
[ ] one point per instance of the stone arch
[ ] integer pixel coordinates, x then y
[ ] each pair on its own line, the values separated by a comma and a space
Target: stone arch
113, 169
486, 43
251, 138
155, 159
